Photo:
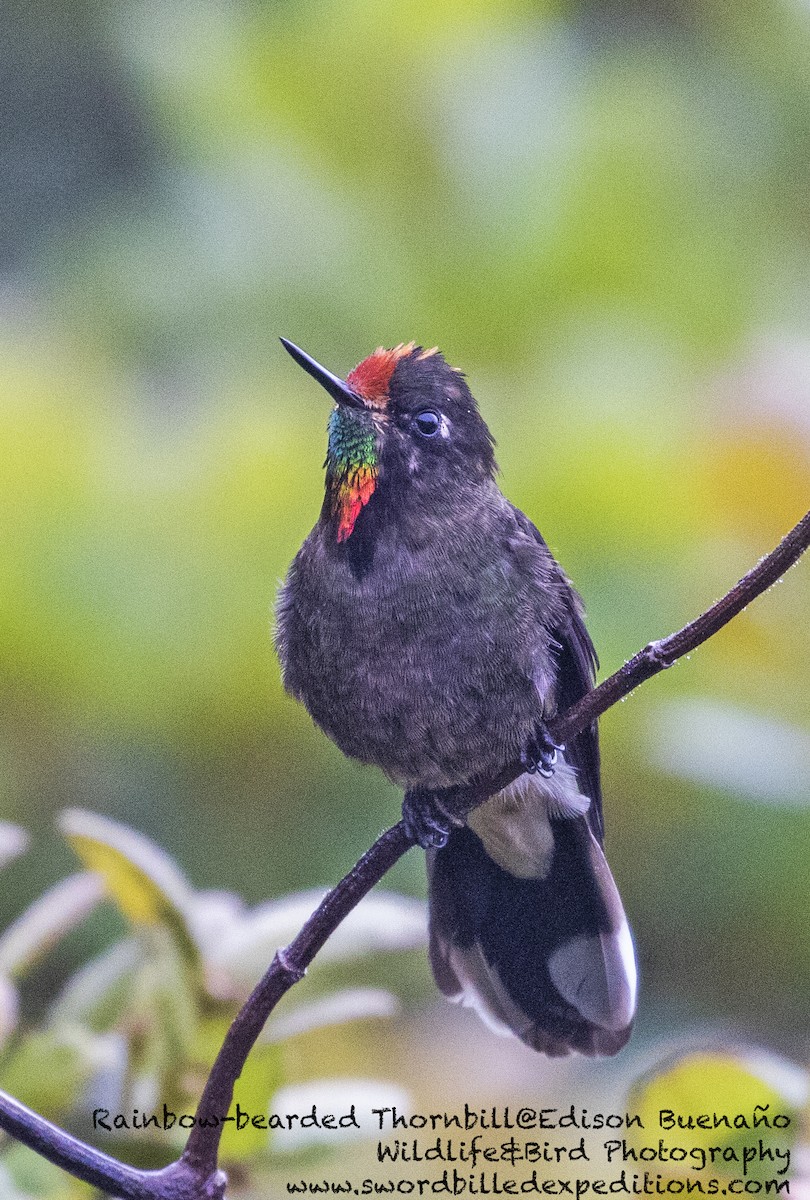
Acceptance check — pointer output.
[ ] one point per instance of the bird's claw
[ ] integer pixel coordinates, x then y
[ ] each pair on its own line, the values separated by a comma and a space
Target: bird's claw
540, 754
427, 820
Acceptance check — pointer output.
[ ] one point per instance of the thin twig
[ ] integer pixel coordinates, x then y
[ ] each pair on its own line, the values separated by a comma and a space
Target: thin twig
289, 965
657, 656
195, 1176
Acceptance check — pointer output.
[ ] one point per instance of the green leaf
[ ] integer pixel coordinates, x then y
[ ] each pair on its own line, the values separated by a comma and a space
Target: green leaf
98, 992
50, 1068
159, 1018
8, 1189
141, 878
25, 1175
261, 1077
254, 1090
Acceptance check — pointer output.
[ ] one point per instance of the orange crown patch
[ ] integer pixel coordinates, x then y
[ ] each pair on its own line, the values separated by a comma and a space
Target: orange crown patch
371, 377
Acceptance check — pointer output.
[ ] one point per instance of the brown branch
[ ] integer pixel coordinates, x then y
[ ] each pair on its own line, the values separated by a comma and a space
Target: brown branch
196, 1176
288, 966
657, 656
175, 1182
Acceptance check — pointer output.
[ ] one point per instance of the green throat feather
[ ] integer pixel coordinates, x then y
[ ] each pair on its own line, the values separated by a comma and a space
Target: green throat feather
351, 469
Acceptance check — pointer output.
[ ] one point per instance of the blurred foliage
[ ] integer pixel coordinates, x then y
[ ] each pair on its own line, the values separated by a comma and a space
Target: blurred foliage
599, 210
741, 1112
133, 1033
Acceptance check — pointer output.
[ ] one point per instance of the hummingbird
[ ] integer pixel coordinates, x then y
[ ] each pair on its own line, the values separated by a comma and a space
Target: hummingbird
429, 631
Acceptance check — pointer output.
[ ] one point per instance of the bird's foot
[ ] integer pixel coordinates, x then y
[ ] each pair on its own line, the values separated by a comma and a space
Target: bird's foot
540, 753
428, 820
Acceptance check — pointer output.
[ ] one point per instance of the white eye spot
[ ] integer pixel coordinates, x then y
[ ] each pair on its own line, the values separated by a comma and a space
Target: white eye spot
444, 427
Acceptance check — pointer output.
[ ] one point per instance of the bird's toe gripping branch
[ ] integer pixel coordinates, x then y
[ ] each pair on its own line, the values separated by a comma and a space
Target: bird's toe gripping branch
427, 819
540, 753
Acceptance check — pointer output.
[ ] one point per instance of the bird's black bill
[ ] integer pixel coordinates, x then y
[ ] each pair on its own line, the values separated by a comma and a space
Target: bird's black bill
336, 388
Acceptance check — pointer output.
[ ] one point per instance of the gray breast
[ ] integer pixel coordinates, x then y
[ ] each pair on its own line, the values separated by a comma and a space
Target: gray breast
428, 665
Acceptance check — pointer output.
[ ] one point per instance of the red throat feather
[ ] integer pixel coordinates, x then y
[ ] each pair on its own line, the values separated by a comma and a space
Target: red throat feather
354, 492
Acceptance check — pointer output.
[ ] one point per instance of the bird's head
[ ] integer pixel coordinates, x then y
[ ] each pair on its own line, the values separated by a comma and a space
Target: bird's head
405, 428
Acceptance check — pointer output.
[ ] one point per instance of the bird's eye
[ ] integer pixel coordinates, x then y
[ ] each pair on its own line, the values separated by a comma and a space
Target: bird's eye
427, 422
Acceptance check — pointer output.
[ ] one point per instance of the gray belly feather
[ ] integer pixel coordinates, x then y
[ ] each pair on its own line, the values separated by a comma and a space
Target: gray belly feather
432, 674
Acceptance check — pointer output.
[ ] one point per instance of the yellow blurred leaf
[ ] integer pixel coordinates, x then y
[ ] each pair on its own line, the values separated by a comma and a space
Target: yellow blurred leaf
140, 877
727, 1100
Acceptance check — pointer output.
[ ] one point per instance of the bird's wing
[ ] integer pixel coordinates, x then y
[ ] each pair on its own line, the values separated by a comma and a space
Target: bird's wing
577, 664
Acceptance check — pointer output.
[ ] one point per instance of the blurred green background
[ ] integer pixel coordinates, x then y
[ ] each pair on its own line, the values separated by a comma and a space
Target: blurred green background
601, 212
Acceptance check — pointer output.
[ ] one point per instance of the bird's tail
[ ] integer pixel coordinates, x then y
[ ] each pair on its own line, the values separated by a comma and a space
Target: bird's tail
538, 944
